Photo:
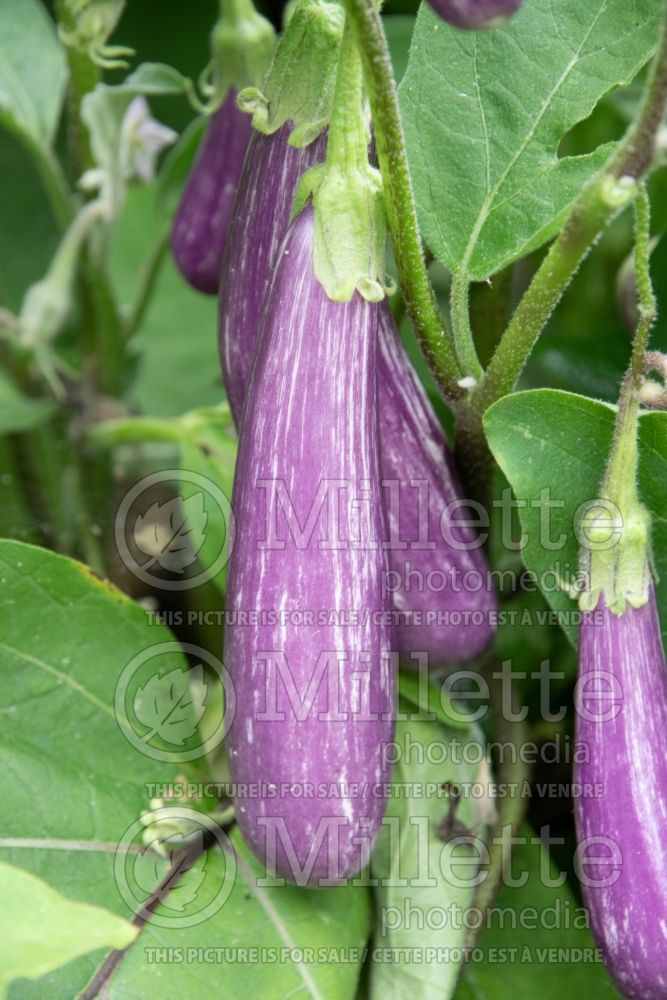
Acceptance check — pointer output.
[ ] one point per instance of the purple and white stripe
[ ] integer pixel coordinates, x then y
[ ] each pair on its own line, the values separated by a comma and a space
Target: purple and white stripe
622, 724
199, 233
310, 420
259, 222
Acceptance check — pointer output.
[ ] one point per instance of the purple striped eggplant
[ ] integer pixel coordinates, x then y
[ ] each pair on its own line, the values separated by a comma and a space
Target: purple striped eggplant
312, 671
438, 575
200, 227
621, 721
475, 14
259, 222
413, 444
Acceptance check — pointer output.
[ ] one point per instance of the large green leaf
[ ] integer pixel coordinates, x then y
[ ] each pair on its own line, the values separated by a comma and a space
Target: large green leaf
74, 788
484, 113
421, 877
41, 930
536, 942
558, 442
29, 231
33, 70
73, 784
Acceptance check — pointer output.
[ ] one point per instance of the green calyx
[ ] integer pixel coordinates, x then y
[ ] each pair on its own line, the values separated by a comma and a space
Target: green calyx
300, 84
615, 556
242, 46
350, 230
616, 529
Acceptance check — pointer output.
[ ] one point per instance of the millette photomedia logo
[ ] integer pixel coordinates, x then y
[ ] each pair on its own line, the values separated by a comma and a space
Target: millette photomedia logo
170, 711
174, 530
177, 863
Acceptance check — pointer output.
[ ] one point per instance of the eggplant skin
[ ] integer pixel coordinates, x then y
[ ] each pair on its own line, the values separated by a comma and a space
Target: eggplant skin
475, 14
257, 229
442, 593
310, 421
200, 226
625, 743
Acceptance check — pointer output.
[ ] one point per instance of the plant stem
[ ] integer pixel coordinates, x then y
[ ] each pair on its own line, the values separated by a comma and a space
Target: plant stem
461, 329
620, 482
84, 76
133, 429
149, 278
598, 204
645, 296
420, 300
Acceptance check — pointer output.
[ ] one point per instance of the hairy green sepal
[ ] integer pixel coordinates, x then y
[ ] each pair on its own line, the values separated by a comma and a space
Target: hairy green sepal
299, 87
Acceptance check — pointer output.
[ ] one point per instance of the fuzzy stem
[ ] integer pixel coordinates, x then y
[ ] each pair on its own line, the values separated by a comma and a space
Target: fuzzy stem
348, 140
461, 329
111, 433
84, 76
620, 483
420, 300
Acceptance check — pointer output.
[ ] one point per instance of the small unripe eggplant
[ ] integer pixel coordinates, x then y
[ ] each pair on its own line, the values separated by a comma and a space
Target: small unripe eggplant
475, 14
200, 227
258, 225
312, 673
621, 723
438, 574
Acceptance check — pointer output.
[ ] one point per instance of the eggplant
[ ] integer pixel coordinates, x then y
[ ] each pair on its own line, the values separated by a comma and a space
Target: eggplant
413, 443
312, 671
621, 722
438, 575
258, 226
200, 227
475, 14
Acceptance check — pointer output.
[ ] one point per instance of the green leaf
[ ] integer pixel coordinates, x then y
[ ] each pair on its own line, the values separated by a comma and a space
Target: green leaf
553, 448
484, 113
419, 872
536, 942
33, 70
432, 698
41, 930
29, 233
323, 933
76, 783
19, 412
